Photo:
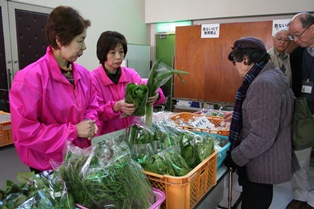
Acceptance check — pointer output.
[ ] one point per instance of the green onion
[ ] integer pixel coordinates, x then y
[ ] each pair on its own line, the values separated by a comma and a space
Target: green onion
158, 76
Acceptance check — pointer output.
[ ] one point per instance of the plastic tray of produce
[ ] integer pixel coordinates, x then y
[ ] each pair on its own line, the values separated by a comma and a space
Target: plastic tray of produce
186, 120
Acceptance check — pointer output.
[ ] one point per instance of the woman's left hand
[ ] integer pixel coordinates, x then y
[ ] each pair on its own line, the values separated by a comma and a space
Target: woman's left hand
153, 99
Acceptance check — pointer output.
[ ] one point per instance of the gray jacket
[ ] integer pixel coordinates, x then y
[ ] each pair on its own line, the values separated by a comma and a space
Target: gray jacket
266, 147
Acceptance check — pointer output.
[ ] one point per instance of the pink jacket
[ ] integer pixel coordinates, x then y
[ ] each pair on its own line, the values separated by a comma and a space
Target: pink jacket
45, 109
109, 93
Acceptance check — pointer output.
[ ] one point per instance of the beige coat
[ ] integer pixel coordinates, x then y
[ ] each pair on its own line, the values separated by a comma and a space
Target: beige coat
278, 62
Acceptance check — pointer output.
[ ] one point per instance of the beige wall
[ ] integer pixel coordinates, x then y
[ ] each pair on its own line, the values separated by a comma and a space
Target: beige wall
174, 10
124, 16
136, 18
223, 11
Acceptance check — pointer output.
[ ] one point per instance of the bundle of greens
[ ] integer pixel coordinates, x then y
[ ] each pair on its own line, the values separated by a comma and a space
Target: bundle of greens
168, 162
108, 177
158, 76
205, 146
141, 141
71, 173
189, 150
43, 190
136, 95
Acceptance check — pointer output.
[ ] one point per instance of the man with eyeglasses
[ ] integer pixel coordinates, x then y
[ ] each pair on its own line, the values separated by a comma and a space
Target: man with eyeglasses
278, 53
301, 28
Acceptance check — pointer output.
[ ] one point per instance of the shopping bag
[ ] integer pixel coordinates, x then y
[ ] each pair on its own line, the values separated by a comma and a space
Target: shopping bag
303, 125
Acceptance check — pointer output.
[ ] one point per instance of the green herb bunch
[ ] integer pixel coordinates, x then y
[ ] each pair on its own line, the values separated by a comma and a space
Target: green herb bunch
159, 74
137, 95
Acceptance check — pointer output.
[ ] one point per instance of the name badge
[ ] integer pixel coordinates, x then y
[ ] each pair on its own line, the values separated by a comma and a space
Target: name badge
307, 87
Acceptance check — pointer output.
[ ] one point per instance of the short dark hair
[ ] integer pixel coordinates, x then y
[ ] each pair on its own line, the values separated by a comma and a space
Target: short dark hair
107, 41
254, 55
64, 23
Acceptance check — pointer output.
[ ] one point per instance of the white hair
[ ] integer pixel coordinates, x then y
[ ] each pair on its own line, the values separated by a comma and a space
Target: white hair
280, 29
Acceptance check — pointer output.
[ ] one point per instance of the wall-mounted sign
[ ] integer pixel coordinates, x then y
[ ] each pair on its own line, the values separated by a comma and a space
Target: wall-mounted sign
280, 24
210, 30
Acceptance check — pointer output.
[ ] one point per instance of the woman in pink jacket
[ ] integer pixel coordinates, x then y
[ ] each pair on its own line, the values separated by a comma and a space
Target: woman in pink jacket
52, 100
110, 80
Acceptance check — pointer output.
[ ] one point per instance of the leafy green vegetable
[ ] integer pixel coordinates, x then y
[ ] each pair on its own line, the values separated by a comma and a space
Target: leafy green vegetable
158, 76
137, 95
205, 147
36, 191
107, 177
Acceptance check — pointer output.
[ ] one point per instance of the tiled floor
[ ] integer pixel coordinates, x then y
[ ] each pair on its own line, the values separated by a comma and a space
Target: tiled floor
10, 165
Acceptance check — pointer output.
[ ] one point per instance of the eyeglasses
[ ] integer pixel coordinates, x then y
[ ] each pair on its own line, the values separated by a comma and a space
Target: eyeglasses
298, 37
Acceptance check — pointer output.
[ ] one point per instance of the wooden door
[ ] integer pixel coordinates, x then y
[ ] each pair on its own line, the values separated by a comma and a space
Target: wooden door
22, 41
212, 76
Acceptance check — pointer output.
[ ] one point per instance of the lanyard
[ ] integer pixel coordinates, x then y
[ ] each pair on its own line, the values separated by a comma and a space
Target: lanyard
308, 70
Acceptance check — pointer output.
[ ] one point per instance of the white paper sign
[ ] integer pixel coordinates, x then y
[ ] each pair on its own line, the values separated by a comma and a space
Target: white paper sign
280, 24
210, 30
202, 122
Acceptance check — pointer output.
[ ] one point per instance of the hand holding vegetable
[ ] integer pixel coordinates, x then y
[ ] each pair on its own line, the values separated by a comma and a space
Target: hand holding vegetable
124, 107
151, 100
137, 95
86, 129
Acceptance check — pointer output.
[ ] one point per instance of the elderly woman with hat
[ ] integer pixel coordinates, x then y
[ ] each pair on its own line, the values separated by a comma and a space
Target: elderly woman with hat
260, 131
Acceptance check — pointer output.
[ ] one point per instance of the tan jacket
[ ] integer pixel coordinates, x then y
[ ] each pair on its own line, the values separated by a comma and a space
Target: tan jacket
278, 62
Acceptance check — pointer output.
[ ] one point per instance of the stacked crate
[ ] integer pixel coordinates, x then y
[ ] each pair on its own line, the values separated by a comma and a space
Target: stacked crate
5, 129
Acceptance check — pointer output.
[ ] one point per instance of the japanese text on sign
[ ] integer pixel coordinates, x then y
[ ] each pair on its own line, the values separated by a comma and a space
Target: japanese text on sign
210, 31
280, 24
202, 122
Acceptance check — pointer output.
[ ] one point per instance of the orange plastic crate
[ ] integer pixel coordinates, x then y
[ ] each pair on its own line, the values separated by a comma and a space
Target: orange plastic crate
184, 192
5, 130
5, 134
186, 116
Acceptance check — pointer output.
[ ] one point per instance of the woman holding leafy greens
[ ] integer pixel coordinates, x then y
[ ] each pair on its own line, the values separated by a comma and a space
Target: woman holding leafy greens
111, 79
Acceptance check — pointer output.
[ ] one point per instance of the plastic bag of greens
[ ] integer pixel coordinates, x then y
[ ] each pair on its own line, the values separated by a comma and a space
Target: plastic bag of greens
169, 162
44, 190
70, 170
141, 141
205, 146
189, 149
121, 181
137, 95
109, 177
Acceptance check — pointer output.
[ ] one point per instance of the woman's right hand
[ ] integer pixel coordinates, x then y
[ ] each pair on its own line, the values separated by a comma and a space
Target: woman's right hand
86, 129
228, 116
125, 108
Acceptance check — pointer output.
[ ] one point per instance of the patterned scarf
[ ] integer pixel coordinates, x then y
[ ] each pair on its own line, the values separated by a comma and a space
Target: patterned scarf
236, 122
